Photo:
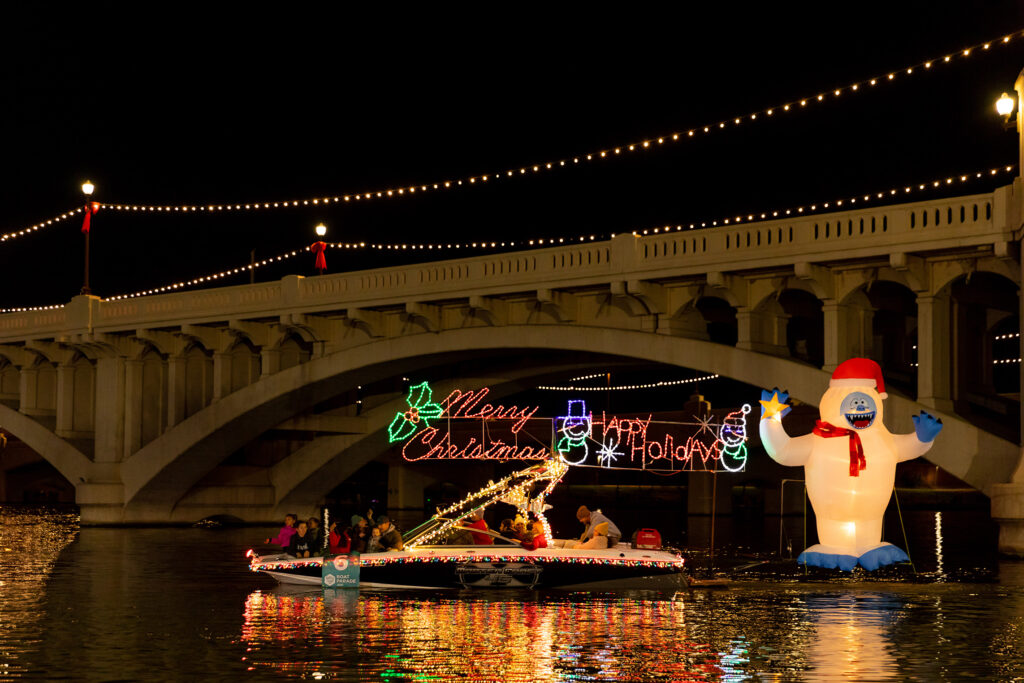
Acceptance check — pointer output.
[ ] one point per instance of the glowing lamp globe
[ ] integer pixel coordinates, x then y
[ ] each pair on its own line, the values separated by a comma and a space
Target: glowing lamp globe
321, 230
87, 188
1004, 105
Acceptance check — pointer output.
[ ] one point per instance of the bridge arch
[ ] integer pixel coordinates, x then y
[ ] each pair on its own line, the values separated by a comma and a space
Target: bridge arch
72, 464
191, 448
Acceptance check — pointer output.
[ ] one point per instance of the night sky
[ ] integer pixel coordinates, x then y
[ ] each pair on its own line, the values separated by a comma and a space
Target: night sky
174, 104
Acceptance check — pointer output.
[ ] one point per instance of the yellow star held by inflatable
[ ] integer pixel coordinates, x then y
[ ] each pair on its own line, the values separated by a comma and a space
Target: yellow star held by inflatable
773, 408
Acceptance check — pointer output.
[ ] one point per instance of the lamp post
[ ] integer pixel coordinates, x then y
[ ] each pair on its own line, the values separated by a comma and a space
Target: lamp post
319, 247
87, 189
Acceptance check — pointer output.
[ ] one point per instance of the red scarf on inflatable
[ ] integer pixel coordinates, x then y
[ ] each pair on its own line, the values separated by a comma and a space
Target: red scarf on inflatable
857, 461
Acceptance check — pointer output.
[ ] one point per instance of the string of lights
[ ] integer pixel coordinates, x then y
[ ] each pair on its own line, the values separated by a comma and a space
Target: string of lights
26, 309
484, 178
540, 242
8, 236
848, 201
629, 387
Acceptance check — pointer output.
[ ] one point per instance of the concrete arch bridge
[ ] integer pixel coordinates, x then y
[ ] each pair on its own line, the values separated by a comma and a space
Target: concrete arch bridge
144, 404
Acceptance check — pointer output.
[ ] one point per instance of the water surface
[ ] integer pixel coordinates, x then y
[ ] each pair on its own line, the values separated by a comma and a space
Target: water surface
180, 604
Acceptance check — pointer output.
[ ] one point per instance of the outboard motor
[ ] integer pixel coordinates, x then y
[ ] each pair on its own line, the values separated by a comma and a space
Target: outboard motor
646, 539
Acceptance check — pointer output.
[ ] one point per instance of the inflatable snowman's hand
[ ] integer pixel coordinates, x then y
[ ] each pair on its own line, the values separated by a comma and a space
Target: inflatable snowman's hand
773, 404
926, 426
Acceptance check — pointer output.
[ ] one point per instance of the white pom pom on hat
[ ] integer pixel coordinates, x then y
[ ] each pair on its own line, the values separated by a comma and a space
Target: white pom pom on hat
859, 372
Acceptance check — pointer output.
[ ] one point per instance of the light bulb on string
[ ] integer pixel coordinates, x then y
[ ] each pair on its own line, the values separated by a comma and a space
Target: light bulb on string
394, 192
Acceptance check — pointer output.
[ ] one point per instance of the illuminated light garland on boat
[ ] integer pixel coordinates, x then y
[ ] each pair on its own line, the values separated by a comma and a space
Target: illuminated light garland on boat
513, 494
386, 560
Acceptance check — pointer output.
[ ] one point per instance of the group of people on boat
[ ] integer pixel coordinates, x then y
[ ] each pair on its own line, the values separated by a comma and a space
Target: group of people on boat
299, 538
599, 533
303, 539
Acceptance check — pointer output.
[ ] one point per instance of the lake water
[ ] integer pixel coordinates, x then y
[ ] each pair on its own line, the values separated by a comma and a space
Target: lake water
180, 604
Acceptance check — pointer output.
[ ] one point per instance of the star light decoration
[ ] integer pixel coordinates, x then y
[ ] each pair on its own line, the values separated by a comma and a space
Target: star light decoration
421, 411
773, 408
607, 454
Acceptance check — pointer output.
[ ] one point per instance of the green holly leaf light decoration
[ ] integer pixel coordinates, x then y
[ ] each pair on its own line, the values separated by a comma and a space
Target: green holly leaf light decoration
421, 411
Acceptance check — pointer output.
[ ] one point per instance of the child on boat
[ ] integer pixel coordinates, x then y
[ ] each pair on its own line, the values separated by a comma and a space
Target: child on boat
284, 536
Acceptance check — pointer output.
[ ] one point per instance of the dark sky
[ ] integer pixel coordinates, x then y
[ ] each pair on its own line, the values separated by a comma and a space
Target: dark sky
178, 104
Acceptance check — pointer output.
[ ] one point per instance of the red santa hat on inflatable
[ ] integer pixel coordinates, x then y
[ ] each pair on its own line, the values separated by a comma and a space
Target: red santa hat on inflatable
859, 372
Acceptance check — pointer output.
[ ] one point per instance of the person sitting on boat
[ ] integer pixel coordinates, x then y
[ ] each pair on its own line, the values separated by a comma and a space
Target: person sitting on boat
360, 534
592, 519
599, 541
339, 541
285, 534
316, 539
519, 530
301, 542
505, 529
389, 538
536, 537
475, 520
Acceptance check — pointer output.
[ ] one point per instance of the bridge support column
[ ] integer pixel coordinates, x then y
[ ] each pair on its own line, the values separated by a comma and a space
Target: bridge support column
221, 375
1008, 511
847, 332
271, 362
132, 407
65, 400
110, 411
762, 331
933, 352
175, 390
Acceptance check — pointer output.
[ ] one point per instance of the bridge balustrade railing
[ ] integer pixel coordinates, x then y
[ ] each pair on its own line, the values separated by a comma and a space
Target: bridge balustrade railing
922, 227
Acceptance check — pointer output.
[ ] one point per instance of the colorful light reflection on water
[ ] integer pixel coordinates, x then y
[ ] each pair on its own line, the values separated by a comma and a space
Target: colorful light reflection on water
483, 636
180, 604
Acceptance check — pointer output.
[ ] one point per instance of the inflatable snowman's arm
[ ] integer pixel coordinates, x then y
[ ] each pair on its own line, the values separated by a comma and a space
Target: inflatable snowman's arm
777, 443
910, 446
783, 449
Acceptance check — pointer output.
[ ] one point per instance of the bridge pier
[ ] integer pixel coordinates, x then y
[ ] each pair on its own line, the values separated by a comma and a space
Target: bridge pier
1008, 512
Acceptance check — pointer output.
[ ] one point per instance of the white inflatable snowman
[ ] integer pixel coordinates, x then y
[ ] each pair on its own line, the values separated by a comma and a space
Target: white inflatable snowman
849, 464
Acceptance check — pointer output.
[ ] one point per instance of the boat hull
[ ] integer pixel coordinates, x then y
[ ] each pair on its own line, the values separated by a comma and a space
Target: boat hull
440, 568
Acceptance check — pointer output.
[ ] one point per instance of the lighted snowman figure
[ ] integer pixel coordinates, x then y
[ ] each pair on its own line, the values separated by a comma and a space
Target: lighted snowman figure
849, 464
733, 437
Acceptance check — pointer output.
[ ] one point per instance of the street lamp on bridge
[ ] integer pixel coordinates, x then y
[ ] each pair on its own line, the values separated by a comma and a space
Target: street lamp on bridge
87, 189
319, 247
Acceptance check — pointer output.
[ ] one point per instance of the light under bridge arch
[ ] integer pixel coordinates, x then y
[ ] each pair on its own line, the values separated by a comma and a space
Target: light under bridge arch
194, 446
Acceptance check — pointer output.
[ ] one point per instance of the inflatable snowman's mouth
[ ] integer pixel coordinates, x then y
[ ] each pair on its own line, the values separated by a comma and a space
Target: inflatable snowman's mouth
860, 420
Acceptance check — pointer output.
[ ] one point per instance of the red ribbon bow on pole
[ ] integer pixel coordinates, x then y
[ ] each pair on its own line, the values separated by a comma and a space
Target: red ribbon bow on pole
90, 209
321, 261
857, 460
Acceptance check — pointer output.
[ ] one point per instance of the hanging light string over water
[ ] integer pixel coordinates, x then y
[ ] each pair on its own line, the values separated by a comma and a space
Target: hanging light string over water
899, 75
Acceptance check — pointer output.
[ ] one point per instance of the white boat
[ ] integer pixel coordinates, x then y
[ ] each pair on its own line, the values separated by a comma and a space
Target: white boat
429, 561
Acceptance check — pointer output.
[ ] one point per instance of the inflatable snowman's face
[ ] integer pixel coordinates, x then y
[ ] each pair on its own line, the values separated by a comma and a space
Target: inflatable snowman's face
859, 410
851, 407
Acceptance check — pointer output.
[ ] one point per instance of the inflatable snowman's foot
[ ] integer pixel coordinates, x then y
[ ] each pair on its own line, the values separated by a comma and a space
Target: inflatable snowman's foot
828, 557
882, 555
